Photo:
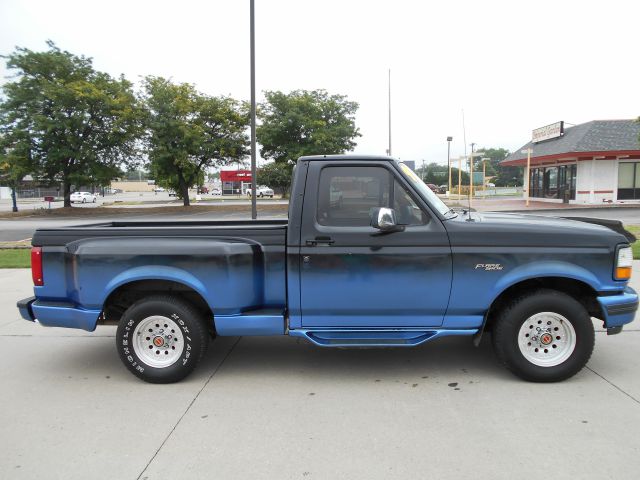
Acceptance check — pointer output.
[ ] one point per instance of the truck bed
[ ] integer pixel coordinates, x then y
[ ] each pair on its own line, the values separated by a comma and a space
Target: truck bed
264, 232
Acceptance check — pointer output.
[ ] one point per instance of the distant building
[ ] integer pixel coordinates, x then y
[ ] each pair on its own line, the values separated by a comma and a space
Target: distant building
235, 181
594, 162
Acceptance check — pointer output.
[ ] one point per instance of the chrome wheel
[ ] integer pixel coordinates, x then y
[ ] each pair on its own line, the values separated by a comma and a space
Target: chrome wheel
547, 339
158, 341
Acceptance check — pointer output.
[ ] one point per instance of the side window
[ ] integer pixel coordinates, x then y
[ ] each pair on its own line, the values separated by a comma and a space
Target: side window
407, 211
347, 195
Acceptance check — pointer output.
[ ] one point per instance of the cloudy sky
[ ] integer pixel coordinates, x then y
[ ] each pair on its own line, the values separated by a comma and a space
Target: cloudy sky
510, 65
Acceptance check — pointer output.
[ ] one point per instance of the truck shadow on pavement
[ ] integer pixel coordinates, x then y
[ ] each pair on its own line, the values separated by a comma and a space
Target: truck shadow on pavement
288, 357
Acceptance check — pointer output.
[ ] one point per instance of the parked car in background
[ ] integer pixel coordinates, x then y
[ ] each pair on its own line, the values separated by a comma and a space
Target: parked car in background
83, 197
434, 188
261, 191
216, 191
172, 193
443, 189
158, 190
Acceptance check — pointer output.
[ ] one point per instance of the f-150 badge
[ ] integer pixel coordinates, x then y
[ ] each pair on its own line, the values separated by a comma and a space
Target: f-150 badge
487, 267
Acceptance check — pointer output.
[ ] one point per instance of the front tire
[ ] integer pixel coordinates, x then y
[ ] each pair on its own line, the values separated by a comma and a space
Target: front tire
161, 339
544, 336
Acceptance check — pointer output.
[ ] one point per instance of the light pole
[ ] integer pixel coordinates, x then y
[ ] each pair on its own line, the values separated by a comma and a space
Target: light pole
526, 182
254, 209
449, 163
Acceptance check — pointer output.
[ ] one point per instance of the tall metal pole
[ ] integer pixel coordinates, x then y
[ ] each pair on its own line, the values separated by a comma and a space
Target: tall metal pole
389, 112
254, 208
449, 162
459, 177
527, 176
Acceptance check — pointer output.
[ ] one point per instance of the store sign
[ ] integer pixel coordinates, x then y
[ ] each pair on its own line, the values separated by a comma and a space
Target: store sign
545, 133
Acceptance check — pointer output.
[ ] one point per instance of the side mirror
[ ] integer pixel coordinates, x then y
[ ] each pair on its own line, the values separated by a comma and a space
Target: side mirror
384, 219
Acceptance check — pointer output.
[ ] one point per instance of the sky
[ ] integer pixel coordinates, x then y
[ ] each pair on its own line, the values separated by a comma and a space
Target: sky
510, 66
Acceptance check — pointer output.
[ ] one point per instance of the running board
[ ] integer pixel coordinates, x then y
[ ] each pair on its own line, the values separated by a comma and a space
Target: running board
374, 338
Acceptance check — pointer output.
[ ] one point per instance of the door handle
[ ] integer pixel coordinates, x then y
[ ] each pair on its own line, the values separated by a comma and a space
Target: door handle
320, 241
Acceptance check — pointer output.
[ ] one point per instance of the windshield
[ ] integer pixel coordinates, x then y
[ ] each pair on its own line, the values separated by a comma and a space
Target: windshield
425, 191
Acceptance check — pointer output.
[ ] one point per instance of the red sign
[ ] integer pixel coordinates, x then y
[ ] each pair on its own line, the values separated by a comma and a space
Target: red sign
235, 176
49, 199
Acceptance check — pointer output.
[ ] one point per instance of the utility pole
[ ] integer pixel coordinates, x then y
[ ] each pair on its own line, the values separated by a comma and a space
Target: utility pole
449, 163
459, 177
527, 182
254, 207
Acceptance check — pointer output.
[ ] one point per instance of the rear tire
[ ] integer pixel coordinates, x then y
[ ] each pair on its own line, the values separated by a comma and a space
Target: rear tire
544, 336
161, 339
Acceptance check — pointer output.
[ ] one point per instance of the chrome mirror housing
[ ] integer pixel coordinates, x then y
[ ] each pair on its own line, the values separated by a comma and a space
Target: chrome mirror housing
384, 219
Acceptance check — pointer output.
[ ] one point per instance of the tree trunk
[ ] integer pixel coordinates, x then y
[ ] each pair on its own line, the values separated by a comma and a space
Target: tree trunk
184, 191
13, 199
66, 191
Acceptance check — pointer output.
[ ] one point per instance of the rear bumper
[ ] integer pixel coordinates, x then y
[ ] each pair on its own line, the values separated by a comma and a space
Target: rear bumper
619, 309
24, 306
56, 314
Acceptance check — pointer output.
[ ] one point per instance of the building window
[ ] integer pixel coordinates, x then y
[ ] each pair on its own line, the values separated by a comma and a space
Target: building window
628, 181
554, 182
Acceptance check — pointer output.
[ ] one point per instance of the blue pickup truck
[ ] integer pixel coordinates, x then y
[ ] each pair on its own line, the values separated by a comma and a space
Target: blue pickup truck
369, 256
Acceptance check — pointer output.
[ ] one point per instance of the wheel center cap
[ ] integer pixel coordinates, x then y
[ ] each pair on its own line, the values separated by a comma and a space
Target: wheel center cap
158, 341
546, 339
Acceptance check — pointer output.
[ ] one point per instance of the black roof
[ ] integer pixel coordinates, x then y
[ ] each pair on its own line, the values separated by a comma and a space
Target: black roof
594, 136
349, 157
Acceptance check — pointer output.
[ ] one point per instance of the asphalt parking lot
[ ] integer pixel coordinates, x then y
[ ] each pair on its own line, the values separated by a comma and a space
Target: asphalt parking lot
279, 408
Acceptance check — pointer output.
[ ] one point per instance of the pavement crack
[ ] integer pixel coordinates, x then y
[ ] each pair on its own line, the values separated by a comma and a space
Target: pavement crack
614, 385
224, 359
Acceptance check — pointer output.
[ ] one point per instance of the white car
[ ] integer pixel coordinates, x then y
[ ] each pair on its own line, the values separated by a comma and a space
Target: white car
158, 189
261, 191
83, 197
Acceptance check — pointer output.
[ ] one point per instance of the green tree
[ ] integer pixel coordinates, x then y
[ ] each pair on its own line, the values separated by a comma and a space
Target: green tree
305, 123
77, 126
276, 175
189, 132
15, 164
503, 176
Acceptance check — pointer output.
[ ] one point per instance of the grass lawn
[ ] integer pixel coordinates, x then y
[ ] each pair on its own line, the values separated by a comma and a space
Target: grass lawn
15, 258
635, 229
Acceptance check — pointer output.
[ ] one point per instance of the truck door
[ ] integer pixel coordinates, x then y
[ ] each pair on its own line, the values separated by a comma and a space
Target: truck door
351, 274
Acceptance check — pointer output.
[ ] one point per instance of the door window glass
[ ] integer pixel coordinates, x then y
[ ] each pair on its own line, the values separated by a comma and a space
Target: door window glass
348, 195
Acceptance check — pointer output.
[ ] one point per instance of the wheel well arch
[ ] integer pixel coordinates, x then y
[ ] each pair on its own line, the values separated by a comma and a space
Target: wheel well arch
581, 291
128, 293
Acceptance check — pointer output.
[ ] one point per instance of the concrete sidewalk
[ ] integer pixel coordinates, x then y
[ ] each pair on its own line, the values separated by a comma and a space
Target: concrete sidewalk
279, 408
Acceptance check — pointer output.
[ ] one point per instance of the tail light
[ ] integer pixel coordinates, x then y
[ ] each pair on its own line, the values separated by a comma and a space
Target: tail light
36, 266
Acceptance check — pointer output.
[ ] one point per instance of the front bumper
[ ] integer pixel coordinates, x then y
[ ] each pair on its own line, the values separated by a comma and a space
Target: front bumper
620, 309
57, 314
